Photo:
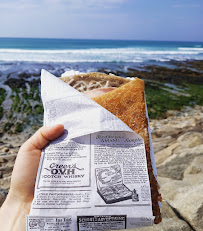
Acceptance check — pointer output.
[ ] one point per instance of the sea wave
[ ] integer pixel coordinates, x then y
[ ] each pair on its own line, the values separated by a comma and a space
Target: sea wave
198, 49
77, 61
181, 50
101, 55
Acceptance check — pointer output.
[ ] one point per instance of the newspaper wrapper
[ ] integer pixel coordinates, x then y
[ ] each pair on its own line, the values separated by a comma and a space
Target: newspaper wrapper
94, 177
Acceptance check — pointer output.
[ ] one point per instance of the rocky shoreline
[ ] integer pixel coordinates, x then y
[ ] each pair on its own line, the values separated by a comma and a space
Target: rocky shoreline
172, 72
178, 147
177, 83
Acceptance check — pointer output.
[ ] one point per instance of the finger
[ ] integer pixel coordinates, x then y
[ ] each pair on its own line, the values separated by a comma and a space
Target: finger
98, 92
43, 136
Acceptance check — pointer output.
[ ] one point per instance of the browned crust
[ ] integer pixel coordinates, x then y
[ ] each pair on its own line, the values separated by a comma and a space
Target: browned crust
128, 104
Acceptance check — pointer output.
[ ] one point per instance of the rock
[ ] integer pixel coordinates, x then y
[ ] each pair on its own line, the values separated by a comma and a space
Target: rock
7, 158
161, 131
3, 194
195, 167
167, 140
167, 224
15, 83
6, 170
182, 124
166, 210
161, 143
7, 174
170, 221
157, 146
162, 155
190, 139
186, 198
5, 182
176, 164
170, 75
163, 180
6, 150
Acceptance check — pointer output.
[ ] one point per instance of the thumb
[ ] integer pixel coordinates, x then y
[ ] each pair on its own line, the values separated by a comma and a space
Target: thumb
42, 137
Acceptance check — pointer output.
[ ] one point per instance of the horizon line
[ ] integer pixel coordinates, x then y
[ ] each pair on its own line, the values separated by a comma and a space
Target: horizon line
107, 39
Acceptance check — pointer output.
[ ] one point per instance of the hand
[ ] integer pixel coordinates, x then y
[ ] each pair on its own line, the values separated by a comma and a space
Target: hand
26, 165
21, 193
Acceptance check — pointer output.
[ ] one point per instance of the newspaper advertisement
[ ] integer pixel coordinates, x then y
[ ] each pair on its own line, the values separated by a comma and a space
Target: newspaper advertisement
94, 177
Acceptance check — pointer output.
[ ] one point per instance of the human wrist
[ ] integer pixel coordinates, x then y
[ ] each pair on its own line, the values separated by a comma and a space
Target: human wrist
13, 214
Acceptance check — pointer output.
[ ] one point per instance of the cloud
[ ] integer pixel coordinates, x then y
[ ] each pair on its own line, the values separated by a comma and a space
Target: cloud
76, 4
19, 5
186, 5
105, 2
71, 6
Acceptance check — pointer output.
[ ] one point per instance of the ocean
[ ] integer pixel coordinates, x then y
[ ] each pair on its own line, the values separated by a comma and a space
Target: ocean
22, 55
83, 50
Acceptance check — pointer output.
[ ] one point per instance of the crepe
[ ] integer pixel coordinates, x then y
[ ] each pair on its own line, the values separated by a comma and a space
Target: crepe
127, 102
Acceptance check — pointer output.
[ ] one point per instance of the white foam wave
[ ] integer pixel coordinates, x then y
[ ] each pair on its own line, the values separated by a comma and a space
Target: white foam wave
31, 51
106, 51
191, 49
100, 55
72, 61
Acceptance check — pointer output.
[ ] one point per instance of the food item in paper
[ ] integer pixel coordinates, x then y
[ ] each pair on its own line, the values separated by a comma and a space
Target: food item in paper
128, 104
95, 176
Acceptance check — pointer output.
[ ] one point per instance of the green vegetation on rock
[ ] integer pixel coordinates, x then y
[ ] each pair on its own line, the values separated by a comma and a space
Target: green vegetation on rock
2, 98
7, 126
19, 127
26, 109
161, 98
196, 92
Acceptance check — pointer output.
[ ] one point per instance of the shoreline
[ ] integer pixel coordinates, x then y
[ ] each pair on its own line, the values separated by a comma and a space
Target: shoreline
171, 71
172, 88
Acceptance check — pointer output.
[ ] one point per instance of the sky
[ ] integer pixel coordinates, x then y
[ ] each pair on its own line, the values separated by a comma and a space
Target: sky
169, 20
